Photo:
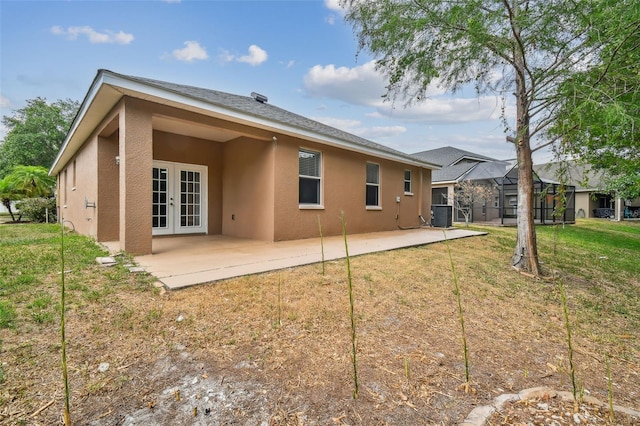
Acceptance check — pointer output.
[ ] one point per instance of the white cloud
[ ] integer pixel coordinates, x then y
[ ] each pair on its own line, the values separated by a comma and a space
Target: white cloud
363, 85
4, 102
441, 110
95, 37
356, 127
334, 5
190, 52
255, 57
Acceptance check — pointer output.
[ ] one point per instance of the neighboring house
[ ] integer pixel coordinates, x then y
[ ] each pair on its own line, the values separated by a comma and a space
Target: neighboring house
456, 163
592, 200
502, 178
146, 157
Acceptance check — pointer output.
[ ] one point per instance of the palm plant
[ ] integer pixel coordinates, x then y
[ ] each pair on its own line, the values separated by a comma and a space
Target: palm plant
31, 181
8, 193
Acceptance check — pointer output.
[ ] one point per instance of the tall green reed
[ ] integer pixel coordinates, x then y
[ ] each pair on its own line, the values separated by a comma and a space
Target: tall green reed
465, 349
354, 359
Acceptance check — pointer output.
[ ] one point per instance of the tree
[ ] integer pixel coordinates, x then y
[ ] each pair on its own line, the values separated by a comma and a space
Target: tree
8, 194
527, 48
35, 133
31, 181
600, 108
25, 182
466, 194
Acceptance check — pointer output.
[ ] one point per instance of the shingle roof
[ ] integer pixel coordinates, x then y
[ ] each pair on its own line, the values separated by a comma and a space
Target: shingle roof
490, 170
248, 105
448, 155
578, 175
451, 173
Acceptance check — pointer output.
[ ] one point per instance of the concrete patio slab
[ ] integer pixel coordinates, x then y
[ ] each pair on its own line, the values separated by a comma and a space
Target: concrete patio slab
181, 261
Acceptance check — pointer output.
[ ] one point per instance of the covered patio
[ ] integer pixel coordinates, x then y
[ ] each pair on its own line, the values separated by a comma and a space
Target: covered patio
181, 261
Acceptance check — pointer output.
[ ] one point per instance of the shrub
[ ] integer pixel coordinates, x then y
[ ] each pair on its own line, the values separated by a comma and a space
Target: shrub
36, 209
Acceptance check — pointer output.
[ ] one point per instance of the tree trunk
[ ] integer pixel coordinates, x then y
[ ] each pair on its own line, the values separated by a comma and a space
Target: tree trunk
7, 204
525, 256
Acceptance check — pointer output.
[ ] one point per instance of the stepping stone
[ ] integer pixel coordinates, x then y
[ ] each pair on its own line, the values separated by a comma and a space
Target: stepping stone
106, 261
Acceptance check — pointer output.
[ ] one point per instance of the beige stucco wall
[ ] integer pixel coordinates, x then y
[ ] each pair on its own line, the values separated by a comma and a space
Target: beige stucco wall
252, 182
108, 180
190, 150
248, 189
343, 189
135, 144
585, 203
76, 182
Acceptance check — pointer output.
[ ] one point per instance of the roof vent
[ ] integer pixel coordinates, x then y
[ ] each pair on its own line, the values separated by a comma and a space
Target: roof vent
258, 97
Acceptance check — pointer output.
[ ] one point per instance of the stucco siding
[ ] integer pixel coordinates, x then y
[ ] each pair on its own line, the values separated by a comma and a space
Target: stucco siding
136, 158
77, 182
108, 180
248, 189
343, 190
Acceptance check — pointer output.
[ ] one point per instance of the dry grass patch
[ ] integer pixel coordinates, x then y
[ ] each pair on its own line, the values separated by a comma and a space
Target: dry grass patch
220, 346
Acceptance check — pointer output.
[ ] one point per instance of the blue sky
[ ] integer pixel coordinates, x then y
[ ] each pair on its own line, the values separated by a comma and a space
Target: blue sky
299, 53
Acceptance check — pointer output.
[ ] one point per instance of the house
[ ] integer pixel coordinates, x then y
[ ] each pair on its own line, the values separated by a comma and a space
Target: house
501, 180
146, 158
456, 163
592, 200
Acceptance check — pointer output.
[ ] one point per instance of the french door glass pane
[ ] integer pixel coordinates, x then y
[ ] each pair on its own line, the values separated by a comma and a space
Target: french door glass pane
159, 207
189, 198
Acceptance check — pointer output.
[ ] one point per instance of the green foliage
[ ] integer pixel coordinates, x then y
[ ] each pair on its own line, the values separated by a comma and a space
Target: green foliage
527, 48
8, 194
599, 114
25, 182
35, 133
31, 181
37, 209
7, 314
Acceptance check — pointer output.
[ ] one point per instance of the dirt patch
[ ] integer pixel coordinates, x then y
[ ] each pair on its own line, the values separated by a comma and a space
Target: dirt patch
274, 349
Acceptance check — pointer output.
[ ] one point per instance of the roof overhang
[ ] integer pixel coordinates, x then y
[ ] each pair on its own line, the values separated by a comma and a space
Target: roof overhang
108, 88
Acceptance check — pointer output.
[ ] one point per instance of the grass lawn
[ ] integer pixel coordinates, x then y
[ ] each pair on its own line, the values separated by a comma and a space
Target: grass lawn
275, 347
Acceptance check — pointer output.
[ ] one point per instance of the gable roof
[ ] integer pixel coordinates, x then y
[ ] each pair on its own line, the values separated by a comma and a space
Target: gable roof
108, 88
450, 156
456, 163
452, 173
578, 175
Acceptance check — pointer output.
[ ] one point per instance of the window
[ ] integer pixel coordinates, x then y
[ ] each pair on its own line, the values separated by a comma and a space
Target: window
373, 185
407, 181
310, 177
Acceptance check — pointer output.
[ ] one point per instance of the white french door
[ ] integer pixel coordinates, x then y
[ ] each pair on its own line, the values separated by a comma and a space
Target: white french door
179, 198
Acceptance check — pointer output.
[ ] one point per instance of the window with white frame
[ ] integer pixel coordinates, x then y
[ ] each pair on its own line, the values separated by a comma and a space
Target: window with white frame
310, 180
373, 185
407, 182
